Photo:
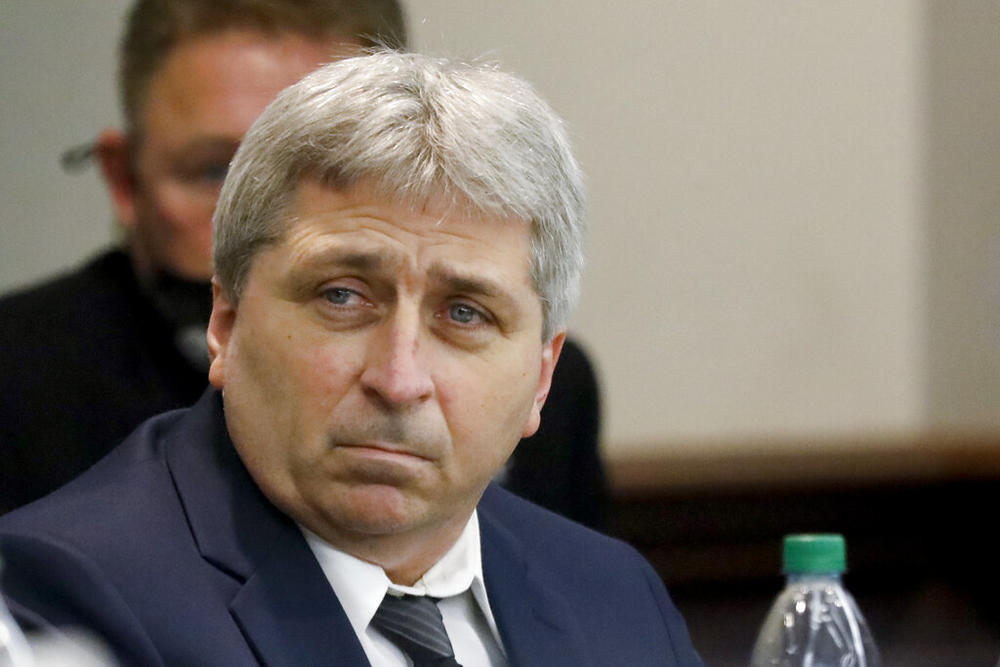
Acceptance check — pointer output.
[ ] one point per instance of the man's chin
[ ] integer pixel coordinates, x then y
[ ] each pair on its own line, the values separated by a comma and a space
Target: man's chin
372, 510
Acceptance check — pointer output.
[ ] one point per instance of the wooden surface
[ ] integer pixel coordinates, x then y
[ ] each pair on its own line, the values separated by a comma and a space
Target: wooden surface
918, 514
721, 515
929, 458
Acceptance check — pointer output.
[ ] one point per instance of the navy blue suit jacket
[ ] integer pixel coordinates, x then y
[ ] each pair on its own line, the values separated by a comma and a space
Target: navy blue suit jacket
168, 550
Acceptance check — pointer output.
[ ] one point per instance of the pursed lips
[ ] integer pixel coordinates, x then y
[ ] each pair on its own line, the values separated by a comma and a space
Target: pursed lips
383, 450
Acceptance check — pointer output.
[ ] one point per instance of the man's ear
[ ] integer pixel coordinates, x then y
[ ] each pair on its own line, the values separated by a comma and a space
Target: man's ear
220, 332
115, 155
550, 355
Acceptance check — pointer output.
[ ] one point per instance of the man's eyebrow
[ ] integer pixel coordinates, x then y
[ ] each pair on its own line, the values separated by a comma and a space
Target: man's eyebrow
468, 283
358, 260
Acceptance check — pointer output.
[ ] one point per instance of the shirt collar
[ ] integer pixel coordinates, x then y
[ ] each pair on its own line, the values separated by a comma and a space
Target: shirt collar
360, 586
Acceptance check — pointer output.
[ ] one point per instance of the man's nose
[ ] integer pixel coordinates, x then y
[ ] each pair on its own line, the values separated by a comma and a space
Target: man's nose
395, 372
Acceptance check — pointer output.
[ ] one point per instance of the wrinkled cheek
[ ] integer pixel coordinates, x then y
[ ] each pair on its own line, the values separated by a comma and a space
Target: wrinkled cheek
325, 376
264, 417
261, 373
491, 428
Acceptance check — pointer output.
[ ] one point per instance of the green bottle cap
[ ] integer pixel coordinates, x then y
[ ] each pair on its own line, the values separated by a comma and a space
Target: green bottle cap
813, 554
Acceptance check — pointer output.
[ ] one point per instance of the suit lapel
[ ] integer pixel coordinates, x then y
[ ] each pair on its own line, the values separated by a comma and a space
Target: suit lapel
536, 624
291, 616
281, 600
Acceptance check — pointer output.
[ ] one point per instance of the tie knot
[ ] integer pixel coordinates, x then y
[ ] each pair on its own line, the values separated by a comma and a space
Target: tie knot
414, 624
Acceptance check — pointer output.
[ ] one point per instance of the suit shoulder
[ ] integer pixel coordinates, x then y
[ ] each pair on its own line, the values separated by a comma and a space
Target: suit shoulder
68, 299
605, 582
570, 556
106, 497
549, 532
106, 269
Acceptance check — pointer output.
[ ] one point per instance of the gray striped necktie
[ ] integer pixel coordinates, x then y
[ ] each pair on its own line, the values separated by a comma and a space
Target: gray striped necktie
413, 623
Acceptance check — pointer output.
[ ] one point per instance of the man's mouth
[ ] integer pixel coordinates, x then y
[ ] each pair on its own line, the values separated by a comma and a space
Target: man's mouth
388, 452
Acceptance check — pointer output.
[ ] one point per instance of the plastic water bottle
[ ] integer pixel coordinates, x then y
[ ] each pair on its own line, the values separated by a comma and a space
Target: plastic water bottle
814, 621
14, 648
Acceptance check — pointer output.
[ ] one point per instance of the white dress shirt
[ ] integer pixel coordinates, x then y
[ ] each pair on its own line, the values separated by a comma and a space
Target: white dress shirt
457, 579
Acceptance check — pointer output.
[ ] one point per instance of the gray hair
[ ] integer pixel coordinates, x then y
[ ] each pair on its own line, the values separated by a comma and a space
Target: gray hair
415, 128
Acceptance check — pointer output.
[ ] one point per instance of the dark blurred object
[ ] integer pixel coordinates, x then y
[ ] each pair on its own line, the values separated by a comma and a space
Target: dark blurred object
88, 358
560, 467
918, 515
76, 158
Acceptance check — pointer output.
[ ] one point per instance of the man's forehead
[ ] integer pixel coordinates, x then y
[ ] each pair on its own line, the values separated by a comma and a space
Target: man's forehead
371, 194
353, 228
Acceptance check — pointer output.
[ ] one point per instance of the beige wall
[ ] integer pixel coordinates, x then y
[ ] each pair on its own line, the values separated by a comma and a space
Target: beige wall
57, 90
754, 171
781, 201
962, 214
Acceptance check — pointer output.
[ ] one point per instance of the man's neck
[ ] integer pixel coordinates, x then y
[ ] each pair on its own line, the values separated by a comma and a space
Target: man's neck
405, 557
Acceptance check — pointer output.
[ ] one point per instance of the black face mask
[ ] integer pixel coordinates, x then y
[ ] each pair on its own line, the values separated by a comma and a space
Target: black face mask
186, 306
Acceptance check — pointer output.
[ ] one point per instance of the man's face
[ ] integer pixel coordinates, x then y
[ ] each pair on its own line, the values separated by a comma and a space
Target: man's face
382, 363
198, 107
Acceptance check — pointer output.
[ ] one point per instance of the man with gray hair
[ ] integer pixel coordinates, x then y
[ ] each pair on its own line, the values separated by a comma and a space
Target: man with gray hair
122, 338
398, 244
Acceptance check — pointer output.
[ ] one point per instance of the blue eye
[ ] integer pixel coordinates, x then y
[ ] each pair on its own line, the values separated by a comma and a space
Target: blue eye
338, 295
464, 314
